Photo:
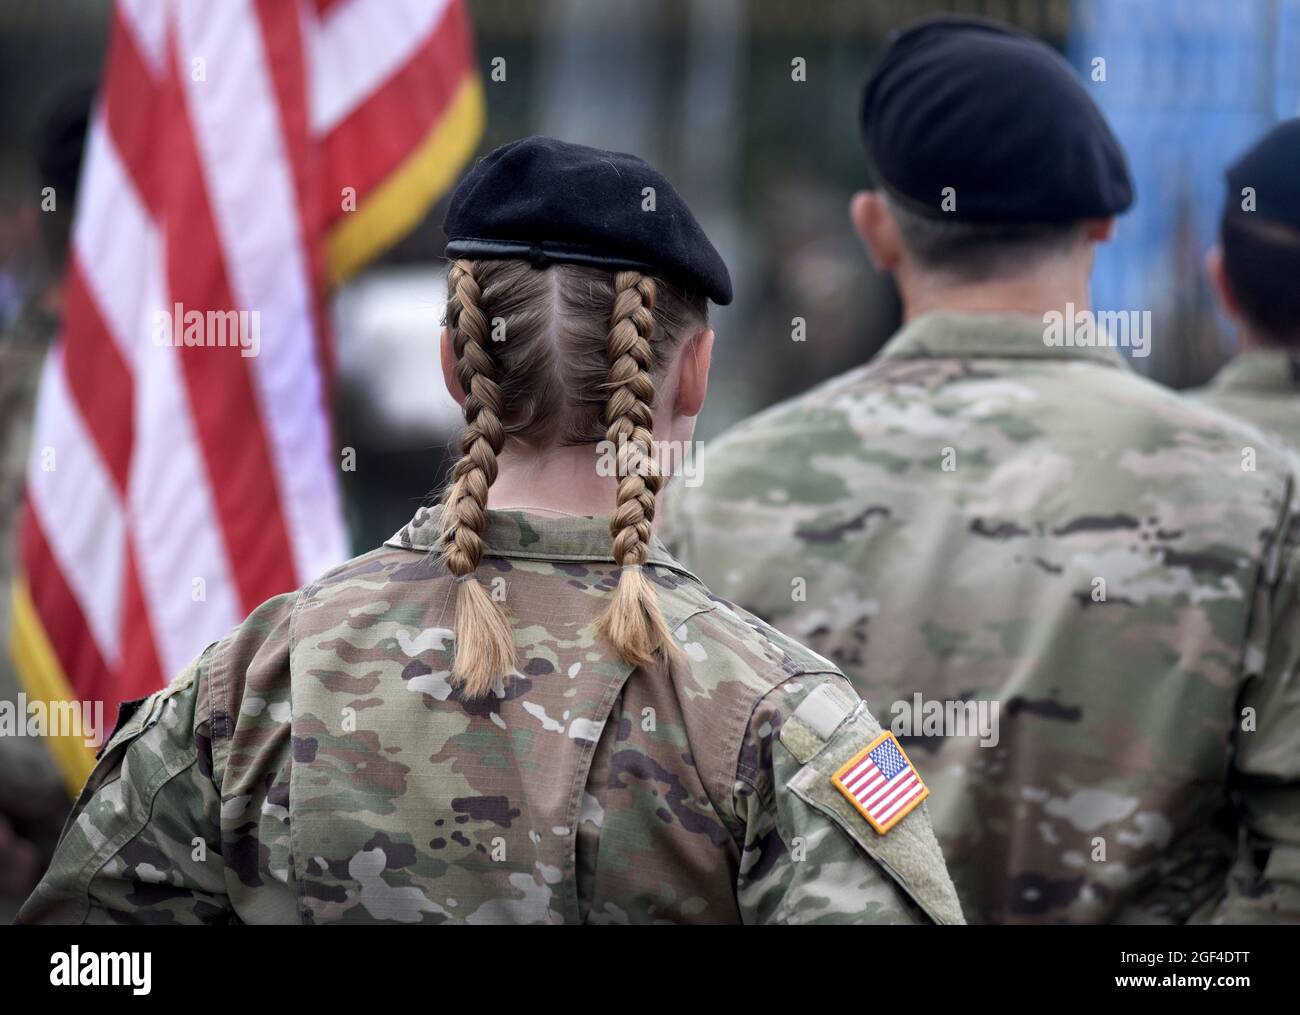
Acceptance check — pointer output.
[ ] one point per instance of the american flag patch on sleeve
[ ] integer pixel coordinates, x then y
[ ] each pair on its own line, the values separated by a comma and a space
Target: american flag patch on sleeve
881, 783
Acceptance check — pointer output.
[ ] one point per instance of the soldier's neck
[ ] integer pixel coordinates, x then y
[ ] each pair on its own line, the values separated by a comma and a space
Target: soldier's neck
1033, 295
1249, 339
569, 480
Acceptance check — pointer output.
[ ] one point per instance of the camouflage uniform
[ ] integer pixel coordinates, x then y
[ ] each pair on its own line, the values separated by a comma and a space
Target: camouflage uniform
938, 522
1261, 386
316, 766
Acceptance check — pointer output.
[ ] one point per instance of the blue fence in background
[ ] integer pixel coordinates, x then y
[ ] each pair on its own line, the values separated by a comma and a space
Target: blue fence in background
1189, 85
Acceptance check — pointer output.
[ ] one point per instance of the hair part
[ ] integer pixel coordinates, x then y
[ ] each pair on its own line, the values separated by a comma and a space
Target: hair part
1261, 260
581, 352
982, 251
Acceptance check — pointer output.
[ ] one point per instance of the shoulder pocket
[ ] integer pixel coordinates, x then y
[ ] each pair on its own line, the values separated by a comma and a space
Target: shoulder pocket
907, 850
131, 716
116, 802
135, 715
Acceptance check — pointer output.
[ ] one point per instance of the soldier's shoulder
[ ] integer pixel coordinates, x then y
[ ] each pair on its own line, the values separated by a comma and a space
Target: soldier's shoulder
725, 642
810, 414
778, 448
252, 660
1200, 412
391, 561
1271, 414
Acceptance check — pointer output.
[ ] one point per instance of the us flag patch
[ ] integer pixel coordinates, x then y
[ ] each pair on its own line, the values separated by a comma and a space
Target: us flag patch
881, 783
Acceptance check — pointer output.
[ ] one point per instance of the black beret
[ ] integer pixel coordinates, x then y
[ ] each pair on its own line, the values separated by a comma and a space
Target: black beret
544, 200
996, 115
1272, 168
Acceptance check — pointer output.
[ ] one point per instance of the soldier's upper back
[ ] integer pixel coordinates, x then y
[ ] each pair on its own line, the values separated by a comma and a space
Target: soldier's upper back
977, 515
357, 785
1260, 386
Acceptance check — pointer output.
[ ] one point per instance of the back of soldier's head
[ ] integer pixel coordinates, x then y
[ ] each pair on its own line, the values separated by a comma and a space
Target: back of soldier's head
1259, 235
988, 149
565, 305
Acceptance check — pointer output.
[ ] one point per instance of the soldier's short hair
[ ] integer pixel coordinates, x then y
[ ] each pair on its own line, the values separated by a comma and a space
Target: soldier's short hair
1261, 259
978, 251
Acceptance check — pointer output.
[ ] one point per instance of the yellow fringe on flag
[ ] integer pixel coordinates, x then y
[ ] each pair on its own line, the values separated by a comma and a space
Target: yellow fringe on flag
394, 208
43, 677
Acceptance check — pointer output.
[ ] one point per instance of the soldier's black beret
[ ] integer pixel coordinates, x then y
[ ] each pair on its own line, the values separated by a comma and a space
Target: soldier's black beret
1272, 169
544, 201
995, 115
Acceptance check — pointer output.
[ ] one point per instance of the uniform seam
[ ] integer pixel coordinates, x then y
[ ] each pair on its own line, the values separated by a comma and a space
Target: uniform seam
748, 771
743, 717
716, 793
765, 801
1273, 551
299, 879
739, 725
574, 805
743, 771
766, 798
222, 721
203, 685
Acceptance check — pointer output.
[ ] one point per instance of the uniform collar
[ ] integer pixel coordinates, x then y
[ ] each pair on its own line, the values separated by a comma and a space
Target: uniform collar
948, 335
1263, 371
528, 535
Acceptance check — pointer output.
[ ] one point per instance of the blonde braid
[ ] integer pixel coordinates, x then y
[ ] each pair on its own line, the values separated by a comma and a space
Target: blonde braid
485, 647
634, 623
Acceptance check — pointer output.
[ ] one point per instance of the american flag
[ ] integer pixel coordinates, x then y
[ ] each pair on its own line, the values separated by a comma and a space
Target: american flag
881, 783
244, 156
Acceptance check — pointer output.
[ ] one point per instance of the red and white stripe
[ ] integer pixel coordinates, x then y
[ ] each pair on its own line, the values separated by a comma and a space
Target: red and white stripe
881, 798
212, 176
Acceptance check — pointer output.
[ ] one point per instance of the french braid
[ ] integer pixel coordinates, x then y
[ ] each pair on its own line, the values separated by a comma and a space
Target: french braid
485, 647
633, 623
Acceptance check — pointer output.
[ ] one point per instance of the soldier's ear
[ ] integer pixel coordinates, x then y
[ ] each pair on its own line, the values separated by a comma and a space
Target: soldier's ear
449, 376
1100, 230
878, 229
1219, 283
693, 374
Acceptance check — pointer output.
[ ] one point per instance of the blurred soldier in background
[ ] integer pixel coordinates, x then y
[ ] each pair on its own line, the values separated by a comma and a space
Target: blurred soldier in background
1075, 591
1255, 273
32, 798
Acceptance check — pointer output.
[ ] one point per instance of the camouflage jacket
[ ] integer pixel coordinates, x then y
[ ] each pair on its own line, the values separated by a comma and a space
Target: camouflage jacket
316, 766
1261, 386
980, 528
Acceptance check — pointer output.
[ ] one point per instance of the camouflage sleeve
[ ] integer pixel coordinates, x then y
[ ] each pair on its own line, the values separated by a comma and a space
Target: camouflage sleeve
1264, 885
809, 857
142, 844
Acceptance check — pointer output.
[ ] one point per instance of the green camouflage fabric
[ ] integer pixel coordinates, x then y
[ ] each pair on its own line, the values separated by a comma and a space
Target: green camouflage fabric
1261, 386
976, 516
317, 766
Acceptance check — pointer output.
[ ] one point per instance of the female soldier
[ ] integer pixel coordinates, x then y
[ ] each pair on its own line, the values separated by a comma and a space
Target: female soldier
505, 715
